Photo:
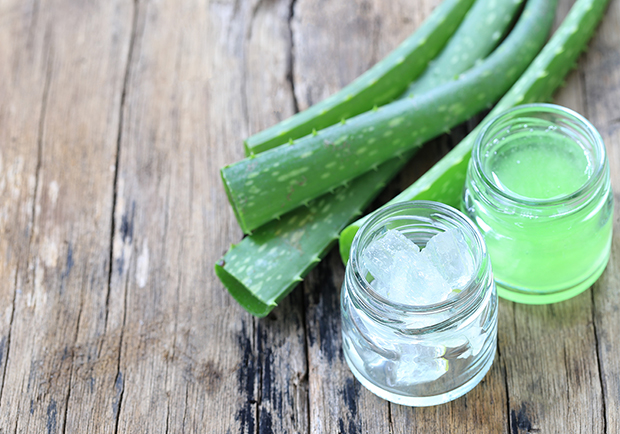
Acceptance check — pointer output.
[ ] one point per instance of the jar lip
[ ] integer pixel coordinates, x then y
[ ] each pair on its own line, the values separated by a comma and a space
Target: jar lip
576, 195
466, 294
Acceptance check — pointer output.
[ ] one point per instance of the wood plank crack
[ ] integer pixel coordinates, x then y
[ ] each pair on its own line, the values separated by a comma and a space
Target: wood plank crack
185, 409
40, 129
119, 137
258, 350
304, 327
46, 87
290, 75
568, 382
119, 384
73, 346
253, 14
119, 381
390, 418
598, 362
244, 72
376, 36
505, 377
584, 93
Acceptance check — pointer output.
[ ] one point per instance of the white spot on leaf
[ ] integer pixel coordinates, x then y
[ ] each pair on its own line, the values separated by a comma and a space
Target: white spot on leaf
396, 122
292, 174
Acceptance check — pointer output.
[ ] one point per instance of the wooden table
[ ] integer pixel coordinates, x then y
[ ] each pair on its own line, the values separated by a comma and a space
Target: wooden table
115, 118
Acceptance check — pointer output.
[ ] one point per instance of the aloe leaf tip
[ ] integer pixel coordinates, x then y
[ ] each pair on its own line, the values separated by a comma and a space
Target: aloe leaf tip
241, 293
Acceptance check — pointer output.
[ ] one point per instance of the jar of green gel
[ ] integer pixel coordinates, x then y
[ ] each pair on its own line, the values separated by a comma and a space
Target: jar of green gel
538, 188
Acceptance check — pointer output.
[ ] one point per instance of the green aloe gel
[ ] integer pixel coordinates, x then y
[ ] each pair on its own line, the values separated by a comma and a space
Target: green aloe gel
538, 188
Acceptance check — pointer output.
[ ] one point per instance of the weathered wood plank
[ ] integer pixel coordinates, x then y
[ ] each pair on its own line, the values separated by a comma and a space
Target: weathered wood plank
601, 75
62, 285
281, 345
280, 338
193, 94
24, 64
268, 83
187, 360
96, 387
551, 367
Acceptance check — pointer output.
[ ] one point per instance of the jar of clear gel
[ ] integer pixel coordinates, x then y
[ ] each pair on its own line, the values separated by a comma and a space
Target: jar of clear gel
419, 354
538, 188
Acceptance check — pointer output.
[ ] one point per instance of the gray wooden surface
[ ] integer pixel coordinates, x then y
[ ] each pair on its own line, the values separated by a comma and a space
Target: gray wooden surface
115, 117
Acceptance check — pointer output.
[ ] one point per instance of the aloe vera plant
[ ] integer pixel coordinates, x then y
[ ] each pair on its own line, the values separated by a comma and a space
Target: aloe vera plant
265, 186
265, 266
444, 181
380, 84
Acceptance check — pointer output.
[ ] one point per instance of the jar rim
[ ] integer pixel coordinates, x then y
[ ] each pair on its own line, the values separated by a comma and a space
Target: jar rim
574, 197
462, 299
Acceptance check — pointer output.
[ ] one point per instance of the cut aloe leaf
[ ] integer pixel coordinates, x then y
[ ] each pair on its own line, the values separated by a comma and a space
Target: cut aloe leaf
444, 181
264, 267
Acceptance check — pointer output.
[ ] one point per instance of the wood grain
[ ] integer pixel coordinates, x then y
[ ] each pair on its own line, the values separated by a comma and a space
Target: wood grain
69, 65
22, 92
115, 118
601, 78
188, 356
280, 338
23, 68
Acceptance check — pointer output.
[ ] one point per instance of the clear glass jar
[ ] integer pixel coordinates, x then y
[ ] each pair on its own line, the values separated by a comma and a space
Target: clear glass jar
538, 188
419, 355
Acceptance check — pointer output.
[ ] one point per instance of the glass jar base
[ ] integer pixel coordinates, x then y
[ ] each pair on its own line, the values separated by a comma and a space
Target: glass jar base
525, 296
424, 401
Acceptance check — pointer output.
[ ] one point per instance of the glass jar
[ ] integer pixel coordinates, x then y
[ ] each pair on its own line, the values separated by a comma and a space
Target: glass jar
538, 188
419, 355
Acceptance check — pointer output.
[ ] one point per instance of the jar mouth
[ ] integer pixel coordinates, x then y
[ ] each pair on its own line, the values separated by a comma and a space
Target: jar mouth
564, 123
426, 217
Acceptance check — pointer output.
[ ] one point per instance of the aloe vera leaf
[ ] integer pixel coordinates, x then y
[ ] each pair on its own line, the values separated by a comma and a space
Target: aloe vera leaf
482, 29
265, 186
292, 261
265, 266
379, 85
444, 181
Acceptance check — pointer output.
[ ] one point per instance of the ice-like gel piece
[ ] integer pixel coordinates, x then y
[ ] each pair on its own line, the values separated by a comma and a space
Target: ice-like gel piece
420, 363
451, 256
405, 275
